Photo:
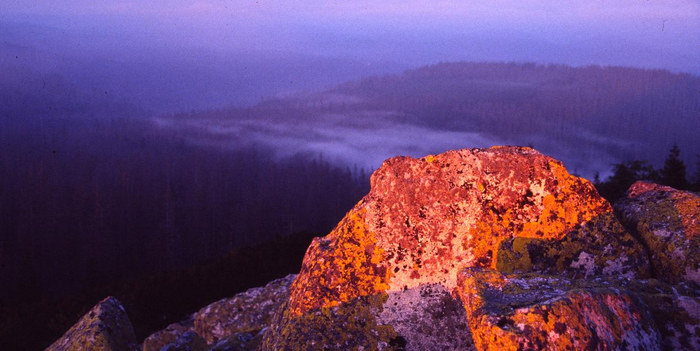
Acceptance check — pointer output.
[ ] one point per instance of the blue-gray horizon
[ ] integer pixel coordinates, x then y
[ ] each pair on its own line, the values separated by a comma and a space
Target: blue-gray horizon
646, 34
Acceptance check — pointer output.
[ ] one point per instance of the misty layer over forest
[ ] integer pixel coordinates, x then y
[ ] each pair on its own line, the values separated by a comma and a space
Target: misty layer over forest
95, 200
589, 117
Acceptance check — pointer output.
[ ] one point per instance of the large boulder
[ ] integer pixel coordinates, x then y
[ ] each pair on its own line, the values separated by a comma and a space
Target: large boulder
423, 221
668, 222
106, 327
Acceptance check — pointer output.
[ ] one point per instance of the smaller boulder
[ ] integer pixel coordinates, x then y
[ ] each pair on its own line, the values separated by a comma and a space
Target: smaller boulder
239, 342
235, 323
247, 312
187, 341
167, 336
667, 221
105, 327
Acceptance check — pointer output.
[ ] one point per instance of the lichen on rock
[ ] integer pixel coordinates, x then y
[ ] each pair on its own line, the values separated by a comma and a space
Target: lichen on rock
668, 222
235, 323
246, 312
106, 327
534, 311
675, 310
599, 247
427, 317
424, 220
345, 326
167, 336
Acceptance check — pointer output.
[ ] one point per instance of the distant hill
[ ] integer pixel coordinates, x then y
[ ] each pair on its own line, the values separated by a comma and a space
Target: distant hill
588, 116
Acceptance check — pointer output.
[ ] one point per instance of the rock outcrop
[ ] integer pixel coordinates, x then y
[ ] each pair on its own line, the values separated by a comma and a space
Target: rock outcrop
668, 222
475, 249
427, 219
106, 327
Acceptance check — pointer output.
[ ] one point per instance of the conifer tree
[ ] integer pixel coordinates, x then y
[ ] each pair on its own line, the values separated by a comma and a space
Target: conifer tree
624, 175
696, 175
673, 173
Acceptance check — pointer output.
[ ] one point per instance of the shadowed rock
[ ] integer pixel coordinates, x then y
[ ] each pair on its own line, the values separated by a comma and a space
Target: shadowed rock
675, 310
668, 222
187, 341
235, 323
247, 312
167, 336
106, 327
427, 317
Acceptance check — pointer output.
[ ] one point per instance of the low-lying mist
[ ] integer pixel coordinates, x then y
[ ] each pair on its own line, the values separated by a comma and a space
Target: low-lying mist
589, 117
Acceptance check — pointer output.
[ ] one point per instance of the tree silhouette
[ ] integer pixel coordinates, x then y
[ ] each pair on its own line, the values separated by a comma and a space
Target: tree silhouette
624, 175
673, 173
696, 176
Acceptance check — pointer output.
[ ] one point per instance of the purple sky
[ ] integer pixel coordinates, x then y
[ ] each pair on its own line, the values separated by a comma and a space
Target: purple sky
176, 55
645, 33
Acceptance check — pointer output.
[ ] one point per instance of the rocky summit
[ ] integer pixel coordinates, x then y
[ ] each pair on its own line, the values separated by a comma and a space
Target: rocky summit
476, 249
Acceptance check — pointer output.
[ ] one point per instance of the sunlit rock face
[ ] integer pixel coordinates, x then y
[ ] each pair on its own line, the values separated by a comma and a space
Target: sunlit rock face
105, 327
668, 222
425, 220
534, 312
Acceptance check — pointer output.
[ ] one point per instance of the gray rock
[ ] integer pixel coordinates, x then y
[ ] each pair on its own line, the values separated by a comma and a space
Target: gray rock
106, 327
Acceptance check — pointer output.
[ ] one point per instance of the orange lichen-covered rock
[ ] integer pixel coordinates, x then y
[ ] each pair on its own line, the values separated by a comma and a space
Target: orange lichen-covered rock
426, 219
600, 247
340, 267
105, 327
536, 312
668, 222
